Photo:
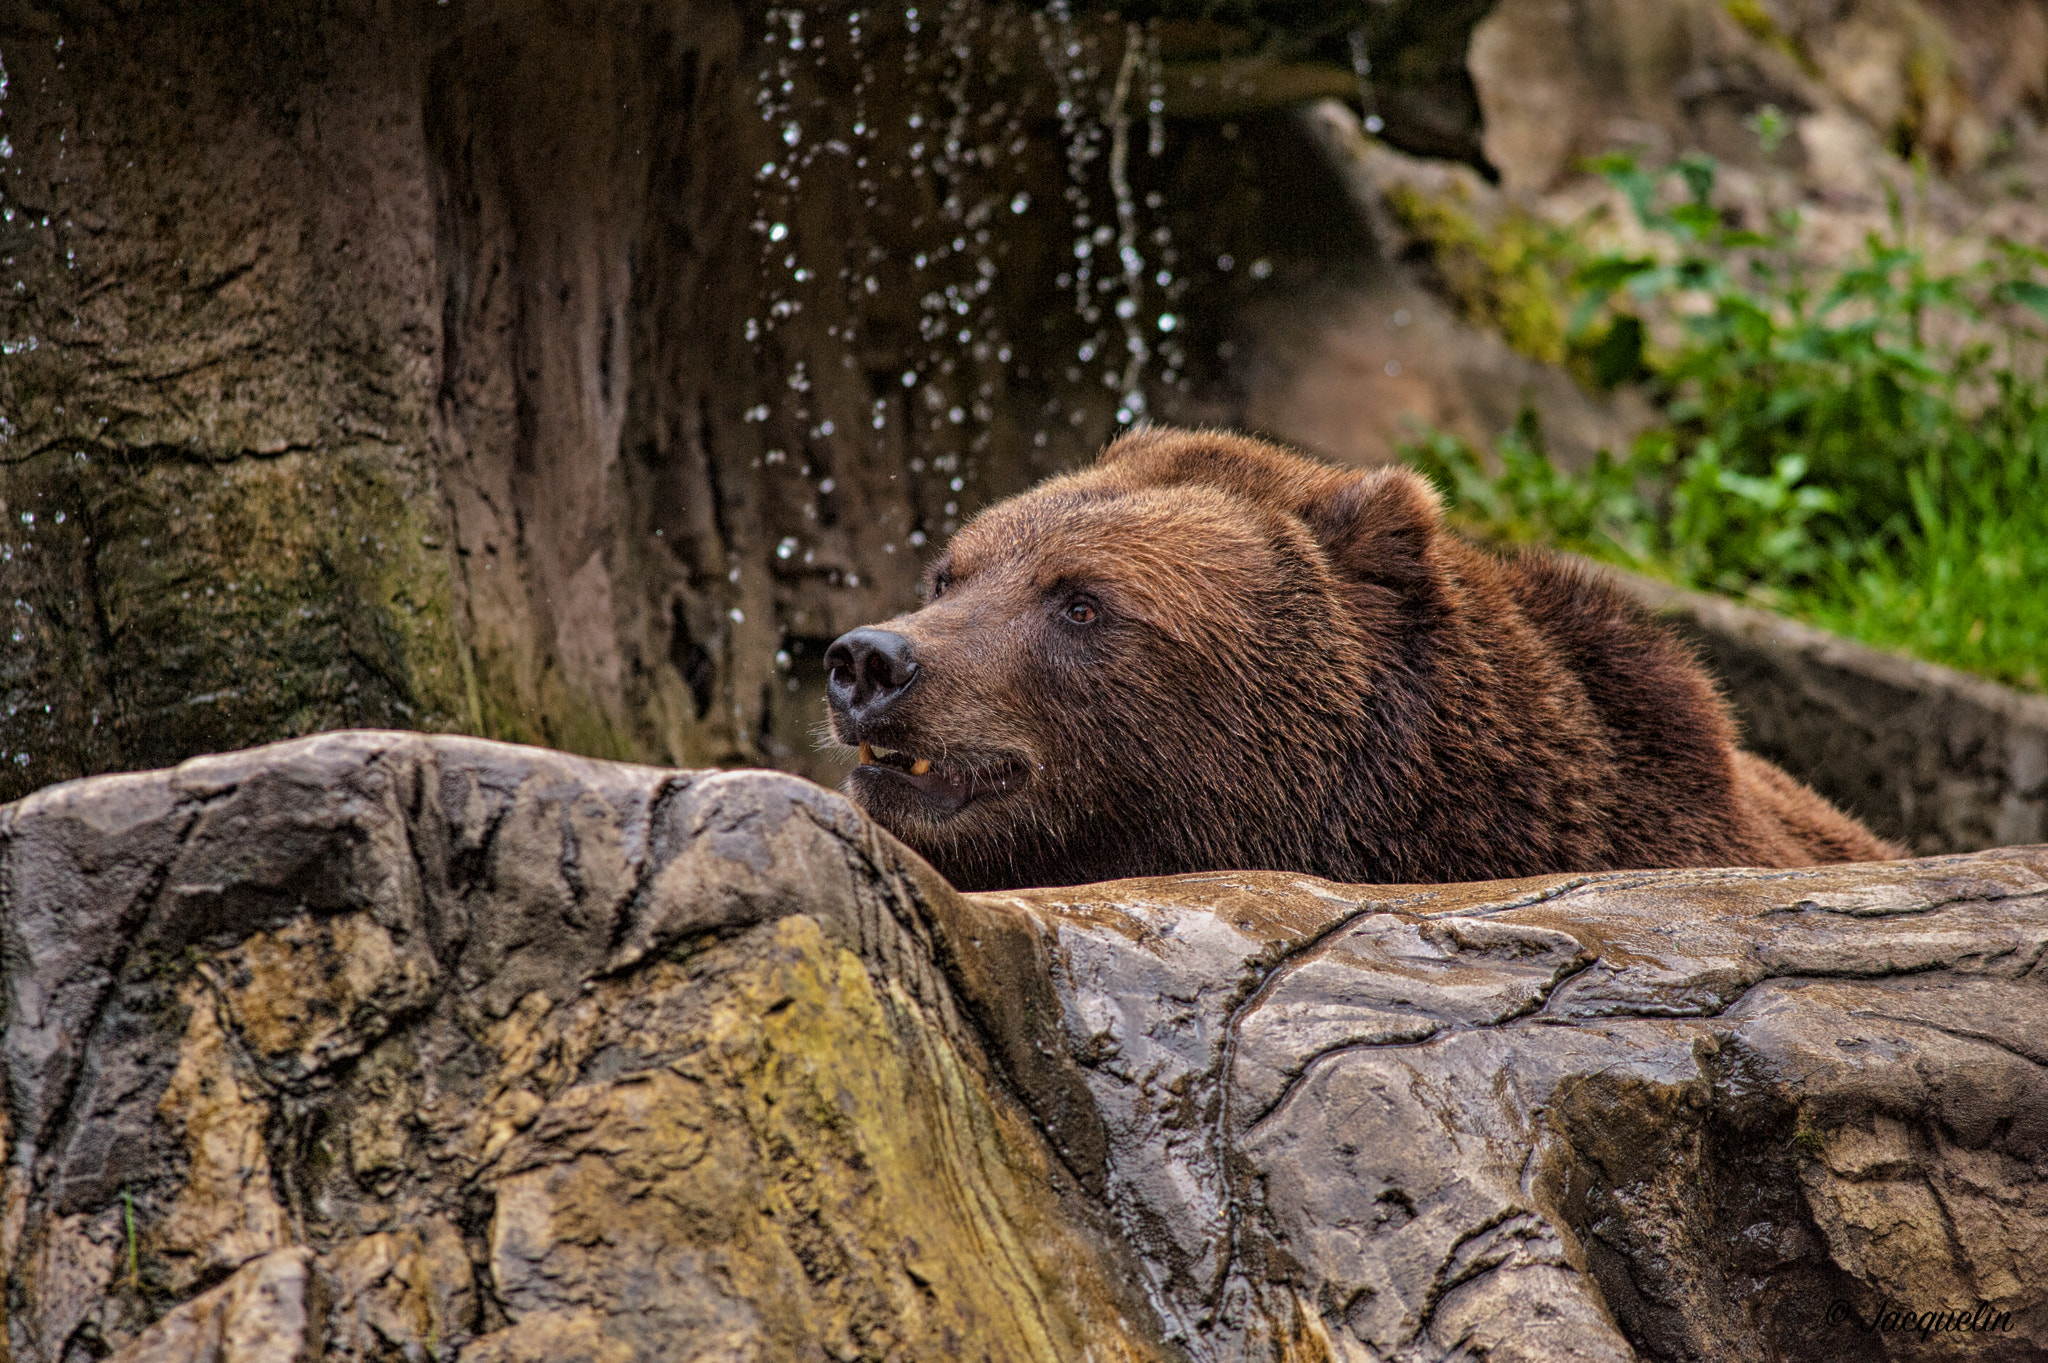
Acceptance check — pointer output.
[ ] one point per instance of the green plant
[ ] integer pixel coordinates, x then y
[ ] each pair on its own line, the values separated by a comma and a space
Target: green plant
1864, 445
134, 1251
1527, 500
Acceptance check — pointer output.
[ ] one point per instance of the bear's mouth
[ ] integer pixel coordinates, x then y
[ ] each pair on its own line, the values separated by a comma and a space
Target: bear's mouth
951, 784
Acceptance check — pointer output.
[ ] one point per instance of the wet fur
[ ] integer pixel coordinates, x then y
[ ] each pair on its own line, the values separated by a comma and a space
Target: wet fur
1296, 667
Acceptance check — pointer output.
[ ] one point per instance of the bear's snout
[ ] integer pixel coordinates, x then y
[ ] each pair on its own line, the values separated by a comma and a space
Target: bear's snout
869, 670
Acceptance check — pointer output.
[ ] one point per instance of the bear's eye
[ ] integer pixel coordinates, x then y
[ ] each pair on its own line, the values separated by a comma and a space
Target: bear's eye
939, 585
1080, 611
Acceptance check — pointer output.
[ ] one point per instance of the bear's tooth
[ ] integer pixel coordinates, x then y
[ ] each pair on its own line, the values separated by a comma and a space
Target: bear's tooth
920, 766
867, 755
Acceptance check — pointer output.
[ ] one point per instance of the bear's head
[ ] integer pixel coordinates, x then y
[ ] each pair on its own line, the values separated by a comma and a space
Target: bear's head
1157, 664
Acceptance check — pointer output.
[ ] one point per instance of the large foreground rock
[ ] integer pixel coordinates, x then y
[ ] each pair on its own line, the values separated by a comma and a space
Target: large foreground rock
378, 1046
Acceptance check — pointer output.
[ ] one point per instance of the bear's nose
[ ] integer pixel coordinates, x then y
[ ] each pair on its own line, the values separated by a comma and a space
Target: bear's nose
870, 669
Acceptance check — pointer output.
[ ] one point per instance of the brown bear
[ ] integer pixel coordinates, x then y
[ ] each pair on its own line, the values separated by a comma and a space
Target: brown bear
1206, 653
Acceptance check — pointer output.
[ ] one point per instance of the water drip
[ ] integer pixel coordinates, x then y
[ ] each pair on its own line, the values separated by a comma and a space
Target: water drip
919, 117
1137, 351
1368, 99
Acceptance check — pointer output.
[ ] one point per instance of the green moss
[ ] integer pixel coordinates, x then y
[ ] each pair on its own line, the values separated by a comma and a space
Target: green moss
548, 712
169, 606
493, 687
575, 724
1757, 22
1930, 76
1505, 278
1754, 19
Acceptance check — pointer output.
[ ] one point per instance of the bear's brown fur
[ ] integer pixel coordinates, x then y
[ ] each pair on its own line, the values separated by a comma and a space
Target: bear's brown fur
1204, 652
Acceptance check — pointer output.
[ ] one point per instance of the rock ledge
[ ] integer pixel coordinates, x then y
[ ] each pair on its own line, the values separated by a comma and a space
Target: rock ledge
377, 1045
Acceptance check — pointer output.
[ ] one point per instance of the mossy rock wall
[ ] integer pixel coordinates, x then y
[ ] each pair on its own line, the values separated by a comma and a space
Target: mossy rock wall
574, 374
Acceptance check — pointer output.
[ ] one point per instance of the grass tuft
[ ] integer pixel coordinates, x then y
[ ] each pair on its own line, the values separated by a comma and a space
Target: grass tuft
1864, 446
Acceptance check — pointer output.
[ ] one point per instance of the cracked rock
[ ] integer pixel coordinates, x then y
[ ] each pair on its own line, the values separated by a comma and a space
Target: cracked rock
386, 1046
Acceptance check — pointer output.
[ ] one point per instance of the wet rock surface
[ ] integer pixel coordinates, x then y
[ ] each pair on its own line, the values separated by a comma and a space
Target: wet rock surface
377, 1045
1936, 759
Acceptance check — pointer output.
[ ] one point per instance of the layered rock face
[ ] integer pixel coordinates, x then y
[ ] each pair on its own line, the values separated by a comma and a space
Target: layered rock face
376, 1045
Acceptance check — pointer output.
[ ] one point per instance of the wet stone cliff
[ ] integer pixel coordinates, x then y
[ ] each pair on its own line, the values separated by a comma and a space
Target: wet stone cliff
379, 1046
573, 374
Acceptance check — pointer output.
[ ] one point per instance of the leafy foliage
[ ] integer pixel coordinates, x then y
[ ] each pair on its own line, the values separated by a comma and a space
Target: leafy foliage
1864, 445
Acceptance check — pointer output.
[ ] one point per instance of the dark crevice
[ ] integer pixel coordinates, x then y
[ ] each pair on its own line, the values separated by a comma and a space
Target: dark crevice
1903, 911
1446, 1280
444, 940
660, 851
1534, 1005
1541, 896
909, 911
692, 660
295, 1125
473, 1219
133, 919
469, 867
1960, 1033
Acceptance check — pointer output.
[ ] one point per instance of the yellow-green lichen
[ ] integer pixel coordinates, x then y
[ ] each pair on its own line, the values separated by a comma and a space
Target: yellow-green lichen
823, 1153
1504, 277
1755, 20
1933, 97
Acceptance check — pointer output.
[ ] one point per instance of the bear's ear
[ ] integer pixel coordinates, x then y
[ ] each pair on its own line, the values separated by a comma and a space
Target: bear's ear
1377, 526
